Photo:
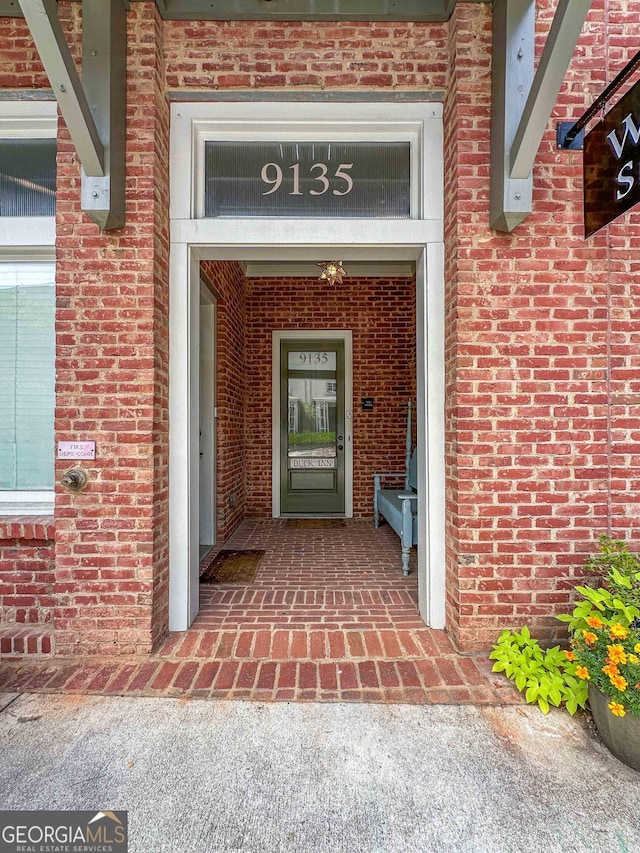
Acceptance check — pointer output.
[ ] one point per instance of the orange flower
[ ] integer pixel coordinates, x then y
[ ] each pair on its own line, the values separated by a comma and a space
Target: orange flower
594, 622
611, 670
616, 708
570, 655
616, 654
589, 637
619, 682
618, 631
583, 673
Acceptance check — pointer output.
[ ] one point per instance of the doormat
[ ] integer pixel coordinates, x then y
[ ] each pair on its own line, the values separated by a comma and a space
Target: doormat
316, 523
233, 567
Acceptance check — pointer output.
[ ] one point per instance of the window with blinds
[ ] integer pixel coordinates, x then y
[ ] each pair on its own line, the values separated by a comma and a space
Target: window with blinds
27, 177
27, 375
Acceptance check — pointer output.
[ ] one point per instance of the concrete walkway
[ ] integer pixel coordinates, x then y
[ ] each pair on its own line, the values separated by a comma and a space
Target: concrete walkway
218, 776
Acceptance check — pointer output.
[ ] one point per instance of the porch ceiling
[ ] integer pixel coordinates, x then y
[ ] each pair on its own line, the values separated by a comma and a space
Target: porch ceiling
300, 269
292, 10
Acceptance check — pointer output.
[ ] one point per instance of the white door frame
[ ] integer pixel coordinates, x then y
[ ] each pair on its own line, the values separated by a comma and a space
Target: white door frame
346, 336
194, 240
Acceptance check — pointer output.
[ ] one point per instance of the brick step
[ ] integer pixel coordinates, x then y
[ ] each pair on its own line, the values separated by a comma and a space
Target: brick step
300, 645
19, 640
451, 679
258, 595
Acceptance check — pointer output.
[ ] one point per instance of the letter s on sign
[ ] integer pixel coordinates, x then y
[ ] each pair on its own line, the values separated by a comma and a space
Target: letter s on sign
624, 180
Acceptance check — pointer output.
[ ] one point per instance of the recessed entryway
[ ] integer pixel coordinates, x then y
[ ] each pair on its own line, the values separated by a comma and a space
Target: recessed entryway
199, 236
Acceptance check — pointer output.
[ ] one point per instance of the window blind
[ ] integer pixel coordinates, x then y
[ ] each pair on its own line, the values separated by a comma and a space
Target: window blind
27, 377
27, 177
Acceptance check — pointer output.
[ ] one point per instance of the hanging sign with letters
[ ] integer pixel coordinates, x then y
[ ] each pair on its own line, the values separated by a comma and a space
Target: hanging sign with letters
307, 179
611, 164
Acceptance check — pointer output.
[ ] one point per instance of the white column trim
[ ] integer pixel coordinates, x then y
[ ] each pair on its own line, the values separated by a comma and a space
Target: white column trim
430, 428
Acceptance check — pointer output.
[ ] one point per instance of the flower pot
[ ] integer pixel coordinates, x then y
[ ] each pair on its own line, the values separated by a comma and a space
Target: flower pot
621, 735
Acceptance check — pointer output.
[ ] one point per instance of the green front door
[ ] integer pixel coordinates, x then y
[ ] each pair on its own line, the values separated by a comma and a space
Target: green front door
312, 427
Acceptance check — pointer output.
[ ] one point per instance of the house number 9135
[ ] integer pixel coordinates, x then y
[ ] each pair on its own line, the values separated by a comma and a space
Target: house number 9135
273, 176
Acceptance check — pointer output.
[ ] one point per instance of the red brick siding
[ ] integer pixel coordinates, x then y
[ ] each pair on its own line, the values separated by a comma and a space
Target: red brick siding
453, 361
227, 281
20, 66
26, 570
26, 585
543, 403
382, 317
545, 350
111, 548
284, 54
381, 314
159, 180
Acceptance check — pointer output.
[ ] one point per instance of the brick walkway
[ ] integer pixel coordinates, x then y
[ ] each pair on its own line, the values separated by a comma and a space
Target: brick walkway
329, 617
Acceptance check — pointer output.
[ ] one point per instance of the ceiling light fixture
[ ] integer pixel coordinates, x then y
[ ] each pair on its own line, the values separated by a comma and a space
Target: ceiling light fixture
332, 271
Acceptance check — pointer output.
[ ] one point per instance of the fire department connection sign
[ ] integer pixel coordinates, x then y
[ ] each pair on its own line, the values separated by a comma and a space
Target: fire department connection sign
611, 164
308, 179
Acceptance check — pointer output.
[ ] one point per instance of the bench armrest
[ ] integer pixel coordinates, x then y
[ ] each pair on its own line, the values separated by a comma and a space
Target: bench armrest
405, 496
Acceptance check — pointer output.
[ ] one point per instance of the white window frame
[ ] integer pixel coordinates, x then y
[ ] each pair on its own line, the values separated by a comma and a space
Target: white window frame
29, 239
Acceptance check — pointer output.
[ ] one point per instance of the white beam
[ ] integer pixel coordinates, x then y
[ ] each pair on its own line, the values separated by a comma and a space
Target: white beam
511, 78
558, 50
104, 80
49, 38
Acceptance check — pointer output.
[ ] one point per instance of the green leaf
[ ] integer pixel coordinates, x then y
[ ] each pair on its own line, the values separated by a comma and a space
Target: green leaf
525, 633
620, 579
571, 705
531, 695
500, 666
555, 697
543, 704
521, 680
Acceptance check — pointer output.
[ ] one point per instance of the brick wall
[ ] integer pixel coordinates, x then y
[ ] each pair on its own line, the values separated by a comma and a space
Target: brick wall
227, 282
543, 399
381, 315
152, 180
308, 54
26, 585
112, 290
543, 410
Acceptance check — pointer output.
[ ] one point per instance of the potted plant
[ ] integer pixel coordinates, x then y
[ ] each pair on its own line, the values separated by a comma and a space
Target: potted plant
603, 660
605, 647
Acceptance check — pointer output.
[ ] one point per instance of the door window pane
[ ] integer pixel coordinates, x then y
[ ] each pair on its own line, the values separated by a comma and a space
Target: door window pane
27, 353
312, 406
